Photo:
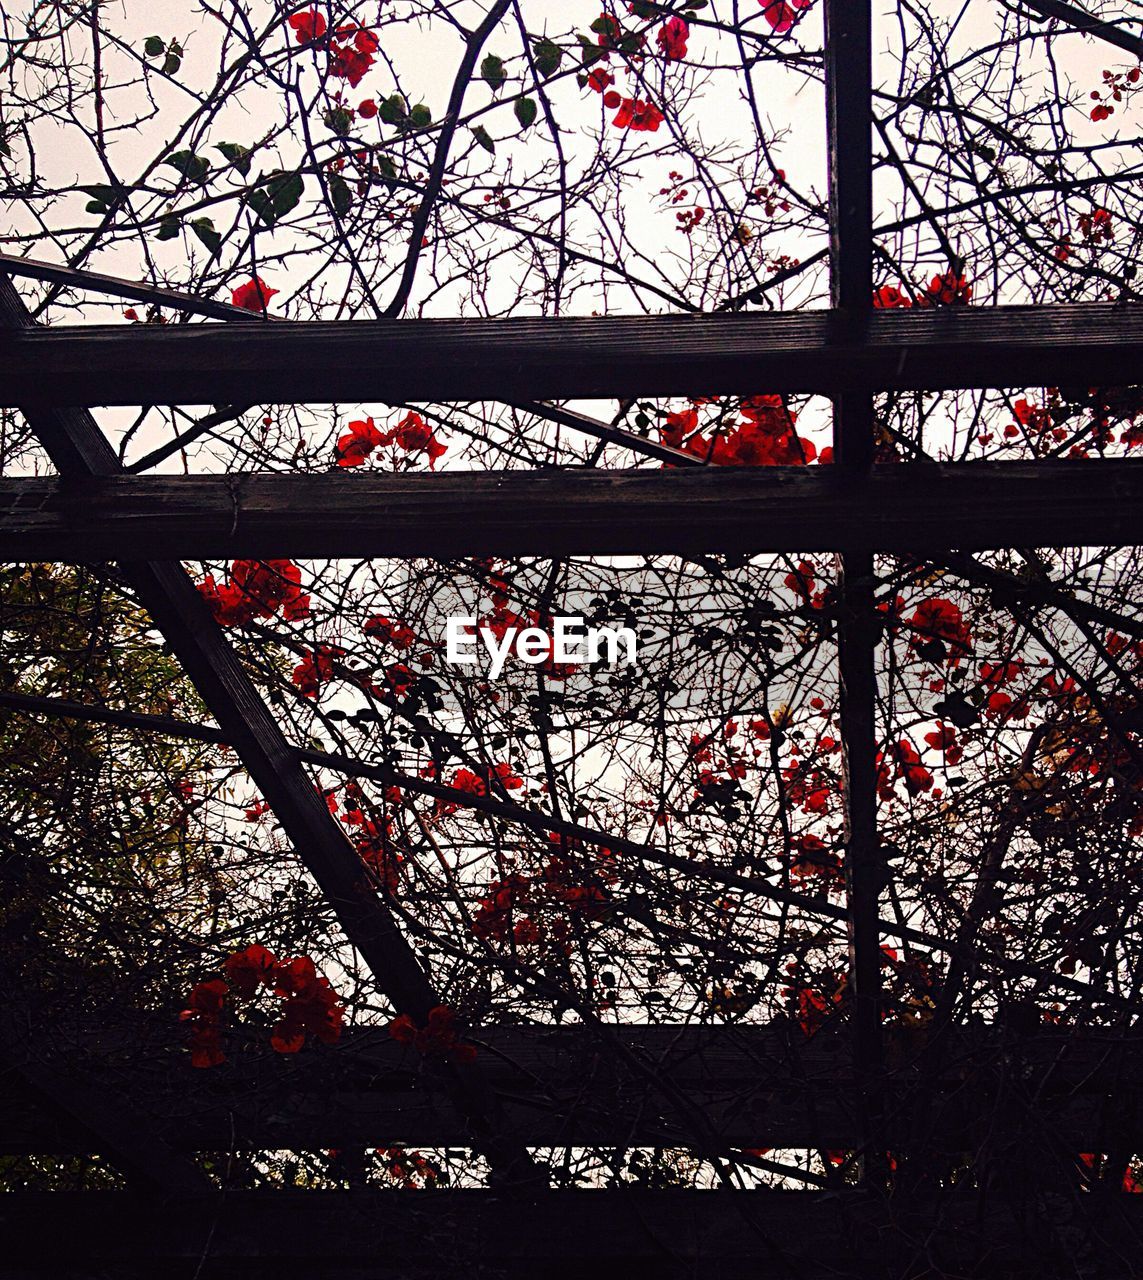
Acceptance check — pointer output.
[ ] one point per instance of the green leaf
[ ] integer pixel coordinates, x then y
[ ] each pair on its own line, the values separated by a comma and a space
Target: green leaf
525, 111
589, 53
237, 154
204, 229
548, 56
277, 196
193, 168
171, 64
420, 117
392, 110
339, 194
168, 227
492, 72
153, 46
388, 172
96, 206
481, 134
338, 121
103, 194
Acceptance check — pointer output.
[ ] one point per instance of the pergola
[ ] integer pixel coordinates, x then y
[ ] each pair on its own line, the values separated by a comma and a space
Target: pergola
705, 1088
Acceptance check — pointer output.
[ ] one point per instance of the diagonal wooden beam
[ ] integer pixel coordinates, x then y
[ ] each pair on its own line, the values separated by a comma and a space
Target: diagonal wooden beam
1080, 20
909, 507
79, 449
524, 360
107, 1119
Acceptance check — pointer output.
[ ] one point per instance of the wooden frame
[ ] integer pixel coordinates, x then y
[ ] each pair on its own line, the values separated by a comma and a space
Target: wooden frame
850, 353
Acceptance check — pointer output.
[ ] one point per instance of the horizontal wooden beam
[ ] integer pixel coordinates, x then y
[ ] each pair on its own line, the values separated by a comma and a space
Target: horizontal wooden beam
562, 1233
912, 507
549, 359
753, 1086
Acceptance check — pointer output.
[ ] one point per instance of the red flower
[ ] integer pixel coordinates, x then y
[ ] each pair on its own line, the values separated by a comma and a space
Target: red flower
765, 439
397, 634
889, 296
634, 113
399, 678
349, 64
254, 295
204, 1013
257, 589
312, 1006
250, 969
413, 434
367, 109
466, 780
672, 38
308, 25
944, 740
782, 14
438, 1038
600, 79
947, 290
316, 669
940, 619
358, 443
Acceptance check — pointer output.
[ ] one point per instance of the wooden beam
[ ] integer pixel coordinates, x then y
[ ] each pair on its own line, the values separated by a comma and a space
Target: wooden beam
549, 359
907, 507
568, 1233
99, 1116
79, 449
756, 1086
1080, 20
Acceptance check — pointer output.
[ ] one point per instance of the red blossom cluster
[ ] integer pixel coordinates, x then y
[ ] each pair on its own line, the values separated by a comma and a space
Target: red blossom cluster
811, 1004
539, 910
672, 38
411, 435
438, 1038
409, 1169
1097, 226
782, 14
944, 739
373, 839
1116, 84
256, 589
765, 438
812, 860
947, 289
909, 769
311, 1005
802, 582
940, 620
254, 295
807, 786
489, 777
398, 634
352, 48
635, 113
316, 669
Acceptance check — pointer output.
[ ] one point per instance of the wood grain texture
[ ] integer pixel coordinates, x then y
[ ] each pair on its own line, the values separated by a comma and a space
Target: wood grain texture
911, 507
563, 1234
754, 1085
544, 359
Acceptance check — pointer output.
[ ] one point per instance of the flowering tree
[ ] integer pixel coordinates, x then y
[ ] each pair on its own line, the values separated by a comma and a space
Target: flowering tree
660, 843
